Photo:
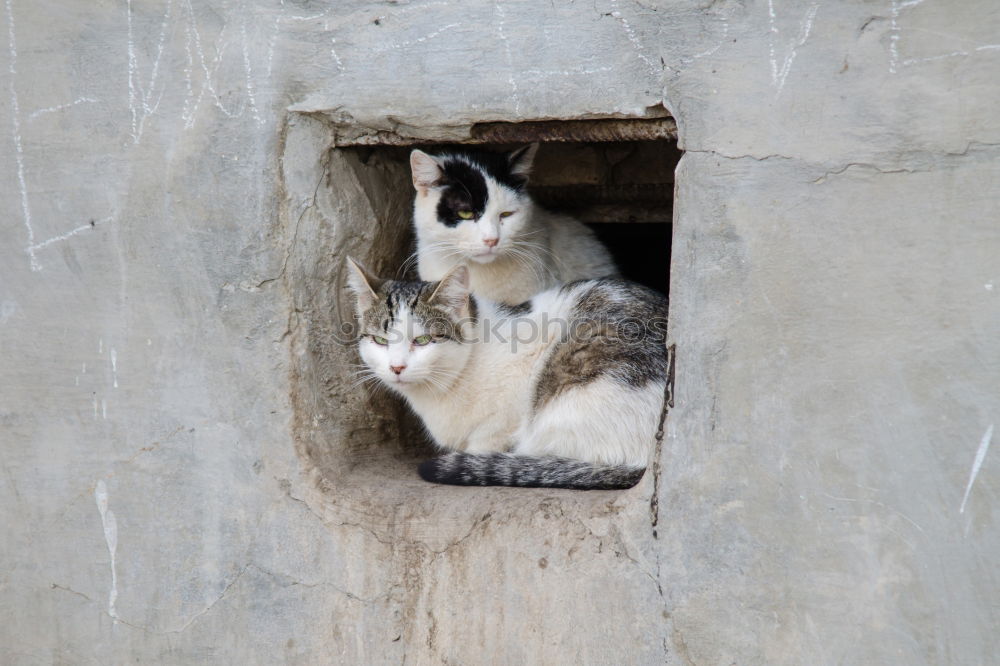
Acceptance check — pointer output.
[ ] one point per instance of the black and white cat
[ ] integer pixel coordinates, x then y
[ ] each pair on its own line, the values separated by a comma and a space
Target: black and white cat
472, 207
563, 391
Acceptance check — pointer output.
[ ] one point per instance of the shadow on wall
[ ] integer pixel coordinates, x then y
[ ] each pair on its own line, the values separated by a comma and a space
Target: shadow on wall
360, 206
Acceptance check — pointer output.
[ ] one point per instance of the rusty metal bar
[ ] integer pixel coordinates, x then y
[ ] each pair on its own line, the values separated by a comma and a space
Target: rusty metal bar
615, 129
601, 130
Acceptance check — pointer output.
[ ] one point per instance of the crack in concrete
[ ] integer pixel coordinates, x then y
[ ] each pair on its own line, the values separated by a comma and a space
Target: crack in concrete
910, 162
114, 618
67, 588
310, 204
680, 645
668, 401
291, 324
747, 156
327, 523
620, 548
148, 449
375, 534
396, 540
115, 463
212, 605
293, 581
484, 519
862, 165
970, 146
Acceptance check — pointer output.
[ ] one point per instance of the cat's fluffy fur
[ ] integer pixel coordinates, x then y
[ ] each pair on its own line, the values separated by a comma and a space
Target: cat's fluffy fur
573, 403
472, 207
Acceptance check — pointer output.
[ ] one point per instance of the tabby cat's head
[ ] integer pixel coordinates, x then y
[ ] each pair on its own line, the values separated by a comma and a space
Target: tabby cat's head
412, 333
472, 205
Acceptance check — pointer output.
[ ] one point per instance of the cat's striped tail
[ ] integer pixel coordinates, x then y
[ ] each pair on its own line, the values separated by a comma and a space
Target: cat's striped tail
506, 469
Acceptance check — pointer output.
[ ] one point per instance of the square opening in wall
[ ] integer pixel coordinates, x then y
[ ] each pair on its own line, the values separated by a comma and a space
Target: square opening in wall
356, 198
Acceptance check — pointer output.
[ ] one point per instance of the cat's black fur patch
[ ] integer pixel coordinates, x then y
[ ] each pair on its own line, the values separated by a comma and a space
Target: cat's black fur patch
464, 189
393, 295
464, 184
507, 469
498, 167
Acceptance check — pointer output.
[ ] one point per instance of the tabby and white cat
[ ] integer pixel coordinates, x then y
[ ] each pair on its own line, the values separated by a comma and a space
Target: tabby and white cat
563, 391
472, 207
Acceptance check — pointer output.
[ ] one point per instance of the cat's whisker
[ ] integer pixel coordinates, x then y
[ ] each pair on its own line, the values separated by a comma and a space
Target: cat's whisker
436, 382
523, 240
529, 263
541, 249
407, 264
552, 271
365, 380
445, 250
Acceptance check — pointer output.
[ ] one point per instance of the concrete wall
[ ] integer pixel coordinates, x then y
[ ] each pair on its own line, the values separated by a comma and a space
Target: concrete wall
825, 492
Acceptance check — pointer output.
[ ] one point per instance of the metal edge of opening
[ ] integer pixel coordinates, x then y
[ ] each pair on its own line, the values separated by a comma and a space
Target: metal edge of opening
546, 131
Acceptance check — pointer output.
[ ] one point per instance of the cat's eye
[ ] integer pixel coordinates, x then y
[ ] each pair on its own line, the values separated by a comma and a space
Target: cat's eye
507, 213
465, 214
421, 340
379, 340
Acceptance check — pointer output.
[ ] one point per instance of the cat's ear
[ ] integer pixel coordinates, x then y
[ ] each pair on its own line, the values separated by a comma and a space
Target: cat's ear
452, 292
522, 159
363, 284
425, 169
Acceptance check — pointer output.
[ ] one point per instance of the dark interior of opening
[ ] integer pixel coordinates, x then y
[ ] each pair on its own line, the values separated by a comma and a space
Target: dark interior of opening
623, 190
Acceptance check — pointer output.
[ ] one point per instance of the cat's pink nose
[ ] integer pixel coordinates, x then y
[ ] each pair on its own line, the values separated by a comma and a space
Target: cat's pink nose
398, 369
491, 242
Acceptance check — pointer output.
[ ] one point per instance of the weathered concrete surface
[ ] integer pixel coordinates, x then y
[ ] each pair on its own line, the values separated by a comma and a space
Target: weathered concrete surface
166, 495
